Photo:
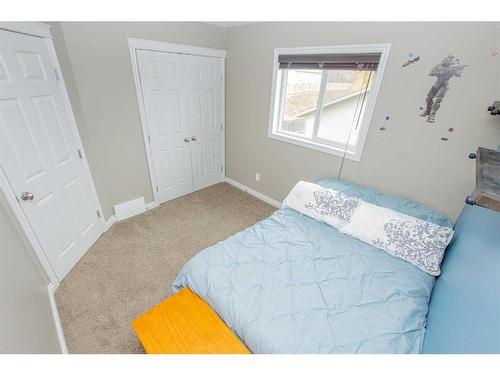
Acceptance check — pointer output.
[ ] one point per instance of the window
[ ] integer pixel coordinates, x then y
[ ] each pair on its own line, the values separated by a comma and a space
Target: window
323, 98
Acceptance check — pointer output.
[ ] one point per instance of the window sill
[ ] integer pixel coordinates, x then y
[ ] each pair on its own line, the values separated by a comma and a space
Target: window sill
355, 156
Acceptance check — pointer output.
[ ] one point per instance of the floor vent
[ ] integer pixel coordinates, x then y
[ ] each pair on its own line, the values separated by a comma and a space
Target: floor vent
131, 208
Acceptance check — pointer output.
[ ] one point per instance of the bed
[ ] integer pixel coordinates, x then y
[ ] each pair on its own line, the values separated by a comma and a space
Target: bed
290, 284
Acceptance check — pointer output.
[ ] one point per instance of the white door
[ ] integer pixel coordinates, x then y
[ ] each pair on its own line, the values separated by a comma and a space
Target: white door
204, 94
164, 93
39, 153
182, 96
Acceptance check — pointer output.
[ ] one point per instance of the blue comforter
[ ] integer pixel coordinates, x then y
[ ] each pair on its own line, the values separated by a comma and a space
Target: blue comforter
290, 284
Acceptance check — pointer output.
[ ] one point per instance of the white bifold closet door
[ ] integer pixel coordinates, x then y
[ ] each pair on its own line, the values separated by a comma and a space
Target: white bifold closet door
39, 153
182, 96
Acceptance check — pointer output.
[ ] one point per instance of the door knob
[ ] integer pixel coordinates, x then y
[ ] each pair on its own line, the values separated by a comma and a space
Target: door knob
186, 140
193, 138
27, 196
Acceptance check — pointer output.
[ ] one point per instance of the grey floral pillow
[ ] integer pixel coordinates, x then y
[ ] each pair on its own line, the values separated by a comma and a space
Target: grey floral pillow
416, 241
333, 203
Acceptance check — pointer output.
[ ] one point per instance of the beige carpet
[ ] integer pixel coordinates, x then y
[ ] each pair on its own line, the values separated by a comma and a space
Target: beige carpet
132, 266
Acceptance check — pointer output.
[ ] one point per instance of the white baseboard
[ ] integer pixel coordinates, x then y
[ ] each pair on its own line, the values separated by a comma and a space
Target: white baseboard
255, 193
148, 206
113, 219
130, 208
151, 205
57, 321
109, 223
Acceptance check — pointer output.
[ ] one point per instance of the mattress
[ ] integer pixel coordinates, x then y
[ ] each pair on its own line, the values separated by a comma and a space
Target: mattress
290, 284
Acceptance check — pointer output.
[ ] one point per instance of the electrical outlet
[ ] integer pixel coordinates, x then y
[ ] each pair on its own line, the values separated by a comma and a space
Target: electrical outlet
257, 177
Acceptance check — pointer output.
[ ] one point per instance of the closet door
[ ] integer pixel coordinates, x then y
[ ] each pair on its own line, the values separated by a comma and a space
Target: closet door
204, 96
163, 83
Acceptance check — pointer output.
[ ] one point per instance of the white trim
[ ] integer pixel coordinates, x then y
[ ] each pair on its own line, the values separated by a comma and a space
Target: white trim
144, 126
367, 117
57, 320
255, 193
109, 223
154, 45
129, 208
132, 208
113, 219
30, 28
223, 118
313, 145
151, 205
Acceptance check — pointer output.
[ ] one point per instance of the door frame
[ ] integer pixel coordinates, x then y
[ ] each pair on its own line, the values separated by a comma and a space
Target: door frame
154, 45
41, 30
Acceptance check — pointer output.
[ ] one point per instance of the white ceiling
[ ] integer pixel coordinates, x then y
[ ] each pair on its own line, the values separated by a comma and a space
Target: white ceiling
228, 24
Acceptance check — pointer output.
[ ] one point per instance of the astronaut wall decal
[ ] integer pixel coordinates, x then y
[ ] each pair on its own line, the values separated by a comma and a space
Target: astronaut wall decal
449, 67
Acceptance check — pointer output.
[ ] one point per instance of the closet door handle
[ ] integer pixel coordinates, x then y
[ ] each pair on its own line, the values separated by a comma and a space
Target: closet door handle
186, 140
193, 138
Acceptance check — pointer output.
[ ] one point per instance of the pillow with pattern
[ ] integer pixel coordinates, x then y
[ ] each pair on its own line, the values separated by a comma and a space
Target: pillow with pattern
416, 241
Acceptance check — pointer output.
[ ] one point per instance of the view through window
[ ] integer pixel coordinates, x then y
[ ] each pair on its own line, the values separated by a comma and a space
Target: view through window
323, 99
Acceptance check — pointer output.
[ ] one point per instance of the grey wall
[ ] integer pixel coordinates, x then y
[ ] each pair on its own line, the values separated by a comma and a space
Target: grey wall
26, 323
409, 158
96, 65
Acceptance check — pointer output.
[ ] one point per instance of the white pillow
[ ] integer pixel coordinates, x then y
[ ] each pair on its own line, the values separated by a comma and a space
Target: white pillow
416, 241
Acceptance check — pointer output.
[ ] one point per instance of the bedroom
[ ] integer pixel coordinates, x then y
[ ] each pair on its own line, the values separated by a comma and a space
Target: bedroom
141, 159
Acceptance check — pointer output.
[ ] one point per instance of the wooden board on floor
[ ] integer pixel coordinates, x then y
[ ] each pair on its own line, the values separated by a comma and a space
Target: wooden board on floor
185, 324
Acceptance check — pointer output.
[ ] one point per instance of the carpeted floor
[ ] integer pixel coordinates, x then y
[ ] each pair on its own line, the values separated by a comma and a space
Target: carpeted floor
132, 266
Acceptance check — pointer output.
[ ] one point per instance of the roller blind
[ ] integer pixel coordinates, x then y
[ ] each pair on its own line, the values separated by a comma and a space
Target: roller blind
335, 61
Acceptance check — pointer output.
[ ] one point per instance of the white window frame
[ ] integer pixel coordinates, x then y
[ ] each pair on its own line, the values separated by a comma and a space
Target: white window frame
277, 99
